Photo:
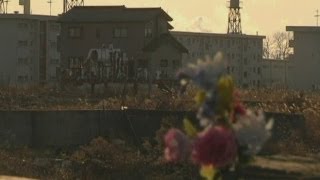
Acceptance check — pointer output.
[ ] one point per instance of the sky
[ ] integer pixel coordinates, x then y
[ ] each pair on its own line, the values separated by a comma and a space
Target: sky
263, 16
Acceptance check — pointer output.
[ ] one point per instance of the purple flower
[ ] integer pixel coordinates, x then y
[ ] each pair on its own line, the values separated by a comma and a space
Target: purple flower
215, 146
177, 146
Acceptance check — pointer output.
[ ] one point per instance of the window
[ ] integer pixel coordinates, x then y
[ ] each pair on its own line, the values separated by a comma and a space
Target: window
98, 33
54, 61
245, 74
120, 32
52, 77
245, 48
54, 27
228, 70
259, 70
221, 43
53, 44
22, 78
245, 61
23, 25
22, 43
175, 64
164, 63
188, 41
75, 62
75, 32
142, 63
23, 61
148, 32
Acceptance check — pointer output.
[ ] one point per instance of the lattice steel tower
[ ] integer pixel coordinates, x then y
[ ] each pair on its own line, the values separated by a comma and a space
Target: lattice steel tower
69, 4
2, 7
234, 19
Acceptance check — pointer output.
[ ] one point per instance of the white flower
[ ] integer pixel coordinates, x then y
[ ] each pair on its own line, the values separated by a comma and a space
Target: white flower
253, 130
205, 73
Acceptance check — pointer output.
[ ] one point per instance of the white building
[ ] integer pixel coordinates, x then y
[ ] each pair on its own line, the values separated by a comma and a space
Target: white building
28, 48
243, 53
306, 57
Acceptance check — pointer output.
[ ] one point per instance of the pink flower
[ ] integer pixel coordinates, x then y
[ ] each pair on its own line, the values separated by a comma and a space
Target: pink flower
177, 146
215, 146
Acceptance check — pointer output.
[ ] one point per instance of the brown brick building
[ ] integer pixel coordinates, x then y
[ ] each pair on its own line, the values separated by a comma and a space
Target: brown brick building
141, 33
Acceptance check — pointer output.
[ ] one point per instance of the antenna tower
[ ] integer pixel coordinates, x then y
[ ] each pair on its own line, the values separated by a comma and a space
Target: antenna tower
69, 4
2, 7
50, 4
317, 16
234, 19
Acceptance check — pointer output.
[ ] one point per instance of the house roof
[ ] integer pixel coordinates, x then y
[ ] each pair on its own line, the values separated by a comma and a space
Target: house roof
303, 28
111, 14
164, 38
185, 33
28, 17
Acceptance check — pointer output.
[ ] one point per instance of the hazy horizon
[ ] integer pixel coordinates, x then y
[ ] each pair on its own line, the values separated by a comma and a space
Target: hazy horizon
264, 17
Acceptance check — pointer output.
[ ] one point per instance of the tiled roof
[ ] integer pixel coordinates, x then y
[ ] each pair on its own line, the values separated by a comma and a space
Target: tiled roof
111, 14
164, 38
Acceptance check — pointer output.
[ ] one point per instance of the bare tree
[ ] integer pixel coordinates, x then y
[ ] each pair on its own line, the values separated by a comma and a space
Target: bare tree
281, 45
267, 48
277, 46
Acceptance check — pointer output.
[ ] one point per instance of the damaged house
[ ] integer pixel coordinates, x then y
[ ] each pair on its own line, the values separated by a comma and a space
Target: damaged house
140, 35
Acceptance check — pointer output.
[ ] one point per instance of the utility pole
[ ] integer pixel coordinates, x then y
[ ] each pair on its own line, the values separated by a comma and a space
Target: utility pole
50, 4
317, 16
6, 1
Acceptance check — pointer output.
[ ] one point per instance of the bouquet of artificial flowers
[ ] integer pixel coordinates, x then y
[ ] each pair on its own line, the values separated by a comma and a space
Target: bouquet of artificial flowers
229, 135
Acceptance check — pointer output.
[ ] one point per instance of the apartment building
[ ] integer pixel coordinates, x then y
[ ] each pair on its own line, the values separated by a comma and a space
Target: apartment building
142, 34
28, 49
306, 57
242, 53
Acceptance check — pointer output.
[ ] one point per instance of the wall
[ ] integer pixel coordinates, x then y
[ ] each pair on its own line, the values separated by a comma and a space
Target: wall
20, 48
306, 59
71, 128
275, 73
165, 52
132, 44
8, 51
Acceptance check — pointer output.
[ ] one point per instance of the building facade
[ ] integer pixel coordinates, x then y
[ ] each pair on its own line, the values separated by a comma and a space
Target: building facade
28, 49
275, 73
142, 34
242, 53
305, 74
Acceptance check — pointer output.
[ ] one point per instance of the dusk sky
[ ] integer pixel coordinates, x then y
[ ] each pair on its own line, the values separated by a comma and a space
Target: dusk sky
264, 16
